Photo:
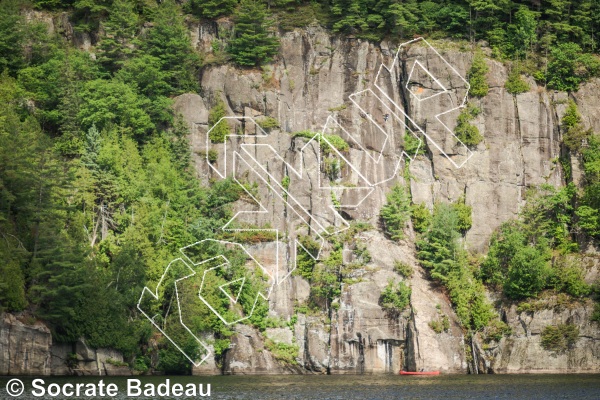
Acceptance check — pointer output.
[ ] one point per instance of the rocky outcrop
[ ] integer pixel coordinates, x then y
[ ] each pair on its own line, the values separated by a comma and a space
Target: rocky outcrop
26, 348
522, 351
311, 80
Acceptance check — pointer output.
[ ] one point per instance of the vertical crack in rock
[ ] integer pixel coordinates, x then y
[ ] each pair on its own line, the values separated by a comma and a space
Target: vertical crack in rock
520, 134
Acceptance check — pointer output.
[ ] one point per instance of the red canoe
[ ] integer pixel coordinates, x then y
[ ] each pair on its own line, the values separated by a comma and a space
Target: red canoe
420, 373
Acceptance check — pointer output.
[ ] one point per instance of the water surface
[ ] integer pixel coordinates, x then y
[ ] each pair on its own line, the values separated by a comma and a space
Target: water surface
355, 387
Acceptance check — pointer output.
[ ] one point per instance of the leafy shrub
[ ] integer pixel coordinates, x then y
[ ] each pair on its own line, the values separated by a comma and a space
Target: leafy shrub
440, 325
496, 330
336, 141
569, 66
575, 135
286, 353
212, 155
268, 123
413, 146
403, 269
219, 128
396, 212
395, 297
568, 277
468, 134
463, 213
559, 338
515, 84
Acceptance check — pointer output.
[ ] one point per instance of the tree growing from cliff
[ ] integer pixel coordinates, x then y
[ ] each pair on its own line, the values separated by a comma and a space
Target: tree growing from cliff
253, 44
396, 212
477, 76
575, 135
219, 128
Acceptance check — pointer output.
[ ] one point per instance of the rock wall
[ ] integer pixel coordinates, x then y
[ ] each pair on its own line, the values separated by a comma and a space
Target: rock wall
312, 77
26, 348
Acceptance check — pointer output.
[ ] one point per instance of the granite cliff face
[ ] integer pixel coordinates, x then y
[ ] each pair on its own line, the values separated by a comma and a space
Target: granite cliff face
311, 80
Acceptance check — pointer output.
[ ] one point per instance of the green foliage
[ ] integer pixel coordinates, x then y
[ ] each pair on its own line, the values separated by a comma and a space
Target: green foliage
286, 353
569, 66
468, 134
168, 40
413, 146
219, 128
333, 140
403, 269
477, 76
575, 135
440, 325
120, 30
568, 277
463, 212
210, 8
396, 212
252, 44
515, 84
421, 217
12, 36
307, 251
528, 273
496, 330
559, 338
113, 103
268, 123
440, 251
395, 297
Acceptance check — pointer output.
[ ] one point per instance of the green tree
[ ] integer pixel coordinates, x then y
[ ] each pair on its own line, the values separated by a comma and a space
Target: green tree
575, 135
168, 40
211, 8
528, 273
106, 103
396, 212
120, 29
515, 84
523, 33
12, 36
569, 66
467, 133
477, 76
395, 298
219, 128
253, 44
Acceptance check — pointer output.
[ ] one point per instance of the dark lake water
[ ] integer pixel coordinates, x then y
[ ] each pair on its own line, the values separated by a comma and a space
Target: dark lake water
346, 387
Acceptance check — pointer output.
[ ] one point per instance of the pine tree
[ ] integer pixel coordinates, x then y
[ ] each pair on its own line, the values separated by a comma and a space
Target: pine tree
477, 76
120, 29
168, 40
211, 8
12, 36
253, 44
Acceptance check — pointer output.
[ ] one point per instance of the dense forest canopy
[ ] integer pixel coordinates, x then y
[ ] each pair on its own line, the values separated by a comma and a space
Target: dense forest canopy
97, 192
